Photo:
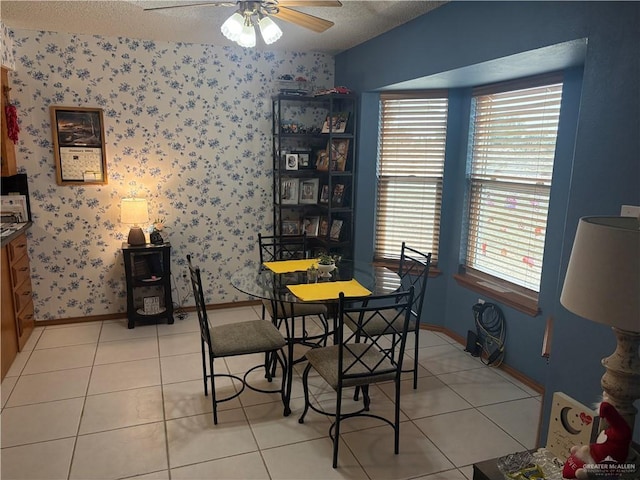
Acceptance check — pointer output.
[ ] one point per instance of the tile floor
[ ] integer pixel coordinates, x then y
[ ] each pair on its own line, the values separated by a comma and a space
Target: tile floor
97, 400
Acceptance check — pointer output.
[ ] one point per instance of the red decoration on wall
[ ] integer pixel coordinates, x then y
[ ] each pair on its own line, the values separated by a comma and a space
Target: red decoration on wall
11, 115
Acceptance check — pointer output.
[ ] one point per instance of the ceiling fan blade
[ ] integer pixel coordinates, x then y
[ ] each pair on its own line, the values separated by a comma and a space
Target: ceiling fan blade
309, 3
203, 4
303, 19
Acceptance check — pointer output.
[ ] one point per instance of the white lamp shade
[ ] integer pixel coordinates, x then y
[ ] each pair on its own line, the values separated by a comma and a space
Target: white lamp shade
247, 38
232, 27
269, 30
603, 277
134, 211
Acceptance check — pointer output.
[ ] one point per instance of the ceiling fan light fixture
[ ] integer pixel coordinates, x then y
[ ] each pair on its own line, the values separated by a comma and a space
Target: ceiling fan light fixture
269, 30
233, 26
247, 37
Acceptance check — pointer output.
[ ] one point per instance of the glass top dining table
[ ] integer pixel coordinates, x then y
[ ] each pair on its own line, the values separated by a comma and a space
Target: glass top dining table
260, 282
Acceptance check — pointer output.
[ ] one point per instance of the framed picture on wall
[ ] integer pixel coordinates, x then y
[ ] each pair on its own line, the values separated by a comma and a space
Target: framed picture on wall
79, 145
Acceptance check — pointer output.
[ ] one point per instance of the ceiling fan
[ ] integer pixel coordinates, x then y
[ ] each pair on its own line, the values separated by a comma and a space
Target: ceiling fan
240, 27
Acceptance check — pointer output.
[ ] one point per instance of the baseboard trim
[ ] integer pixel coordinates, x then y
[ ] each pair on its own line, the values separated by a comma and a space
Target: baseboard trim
123, 315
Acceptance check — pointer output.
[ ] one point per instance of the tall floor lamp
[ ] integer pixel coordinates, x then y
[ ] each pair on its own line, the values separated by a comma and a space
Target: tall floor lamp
603, 285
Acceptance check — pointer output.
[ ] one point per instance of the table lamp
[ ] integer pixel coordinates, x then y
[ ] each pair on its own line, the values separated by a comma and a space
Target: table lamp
603, 285
134, 211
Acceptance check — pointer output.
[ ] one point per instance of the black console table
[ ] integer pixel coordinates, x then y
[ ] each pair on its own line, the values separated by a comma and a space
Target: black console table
148, 272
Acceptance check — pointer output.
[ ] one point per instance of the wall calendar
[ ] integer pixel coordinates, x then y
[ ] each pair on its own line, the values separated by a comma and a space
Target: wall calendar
79, 145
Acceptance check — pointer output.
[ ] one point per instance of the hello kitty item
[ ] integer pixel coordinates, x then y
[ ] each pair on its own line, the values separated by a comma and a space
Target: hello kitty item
612, 446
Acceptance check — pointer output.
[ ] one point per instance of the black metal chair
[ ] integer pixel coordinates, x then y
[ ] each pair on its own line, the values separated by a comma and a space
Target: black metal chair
357, 363
239, 338
290, 247
414, 272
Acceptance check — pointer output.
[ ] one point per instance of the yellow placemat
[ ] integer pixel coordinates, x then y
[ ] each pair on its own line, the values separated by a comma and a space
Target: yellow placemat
287, 266
328, 290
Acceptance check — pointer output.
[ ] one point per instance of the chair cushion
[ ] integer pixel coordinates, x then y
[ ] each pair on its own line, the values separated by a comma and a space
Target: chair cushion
378, 326
299, 309
325, 362
253, 336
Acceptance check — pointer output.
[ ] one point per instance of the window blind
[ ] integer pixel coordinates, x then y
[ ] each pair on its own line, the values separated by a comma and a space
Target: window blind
412, 137
513, 148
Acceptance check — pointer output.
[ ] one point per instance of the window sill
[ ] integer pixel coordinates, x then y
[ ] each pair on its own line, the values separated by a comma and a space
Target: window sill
499, 292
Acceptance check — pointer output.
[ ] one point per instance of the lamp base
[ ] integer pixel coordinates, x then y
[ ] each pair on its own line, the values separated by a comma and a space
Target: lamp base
136, 236
621, 379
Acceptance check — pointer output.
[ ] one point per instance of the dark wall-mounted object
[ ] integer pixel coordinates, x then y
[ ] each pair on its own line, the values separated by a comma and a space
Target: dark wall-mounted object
17, 184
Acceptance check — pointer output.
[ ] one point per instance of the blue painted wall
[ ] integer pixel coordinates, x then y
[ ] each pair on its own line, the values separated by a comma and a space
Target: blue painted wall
597, 160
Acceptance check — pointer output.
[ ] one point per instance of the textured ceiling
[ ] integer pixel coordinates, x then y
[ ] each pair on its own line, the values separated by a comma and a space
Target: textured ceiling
355, 22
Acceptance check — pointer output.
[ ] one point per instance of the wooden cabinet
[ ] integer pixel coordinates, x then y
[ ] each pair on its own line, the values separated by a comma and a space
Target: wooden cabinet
7, 148
148, 272
314, 150
17, 302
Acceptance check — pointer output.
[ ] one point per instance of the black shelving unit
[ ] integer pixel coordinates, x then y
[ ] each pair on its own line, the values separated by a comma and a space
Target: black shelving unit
148, 273
309, 185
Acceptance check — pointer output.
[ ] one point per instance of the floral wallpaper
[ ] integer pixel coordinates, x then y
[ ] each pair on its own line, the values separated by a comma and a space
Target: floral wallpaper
6, 48
188, 127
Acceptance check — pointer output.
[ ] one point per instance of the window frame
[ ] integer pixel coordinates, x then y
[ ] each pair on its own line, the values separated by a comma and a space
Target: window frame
519, 297
436, 181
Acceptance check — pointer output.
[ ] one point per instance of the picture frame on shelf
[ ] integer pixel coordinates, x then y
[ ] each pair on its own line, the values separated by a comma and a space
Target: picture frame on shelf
290, 227
304, 161
339, 149
336, 230
291, 161
322, 161
309, 190
337, 198
324, 194
289, 191
311, 225
151, 305
323, 228
336, 123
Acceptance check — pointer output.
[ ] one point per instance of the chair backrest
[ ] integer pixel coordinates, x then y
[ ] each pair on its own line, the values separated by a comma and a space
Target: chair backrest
365, 352
414, 271
198, 295
282, 247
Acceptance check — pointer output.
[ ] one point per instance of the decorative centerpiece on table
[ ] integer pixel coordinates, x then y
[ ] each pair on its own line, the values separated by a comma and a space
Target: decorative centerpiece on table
154, 231
326, 265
